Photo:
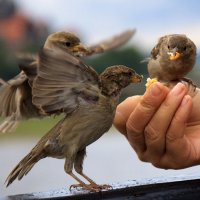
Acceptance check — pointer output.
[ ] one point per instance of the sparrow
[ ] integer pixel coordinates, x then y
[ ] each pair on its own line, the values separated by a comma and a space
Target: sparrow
88, 100
172, 58
16, 94
67, 39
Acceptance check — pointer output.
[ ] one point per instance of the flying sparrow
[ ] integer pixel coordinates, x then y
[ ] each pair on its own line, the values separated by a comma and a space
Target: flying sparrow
65, 84
16, 94
172, 58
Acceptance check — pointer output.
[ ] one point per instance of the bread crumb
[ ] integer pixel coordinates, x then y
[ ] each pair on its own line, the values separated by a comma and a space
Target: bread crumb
150, 82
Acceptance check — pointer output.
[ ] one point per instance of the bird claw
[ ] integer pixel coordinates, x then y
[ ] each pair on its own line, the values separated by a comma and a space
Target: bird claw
105, 187
85, 187
190, 82
91, 187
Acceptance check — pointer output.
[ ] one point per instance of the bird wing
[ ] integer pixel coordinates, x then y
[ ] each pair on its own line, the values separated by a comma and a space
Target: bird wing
9, 94
26, 56
63, 82
30, 70
111, 43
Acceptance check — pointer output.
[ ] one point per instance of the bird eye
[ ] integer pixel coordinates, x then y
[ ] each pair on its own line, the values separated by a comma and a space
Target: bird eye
68, 44
130, 73
184, 48
168, 47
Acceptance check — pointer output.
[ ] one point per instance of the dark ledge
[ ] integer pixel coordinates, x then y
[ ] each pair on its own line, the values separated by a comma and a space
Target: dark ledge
171, 188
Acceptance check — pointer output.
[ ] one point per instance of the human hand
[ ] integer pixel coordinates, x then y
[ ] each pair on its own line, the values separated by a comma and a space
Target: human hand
163, 125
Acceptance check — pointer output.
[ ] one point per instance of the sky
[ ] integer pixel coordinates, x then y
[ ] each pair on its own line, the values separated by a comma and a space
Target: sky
99, 19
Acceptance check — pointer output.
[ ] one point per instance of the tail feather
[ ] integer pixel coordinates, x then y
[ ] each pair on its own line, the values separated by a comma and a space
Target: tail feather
40, 151
23, 167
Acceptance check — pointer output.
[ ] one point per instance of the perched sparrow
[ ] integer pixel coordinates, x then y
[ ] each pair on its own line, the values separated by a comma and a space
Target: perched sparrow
16, 94
172, 58
65, 84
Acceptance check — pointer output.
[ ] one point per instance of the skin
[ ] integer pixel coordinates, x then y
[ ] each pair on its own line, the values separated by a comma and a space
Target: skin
168, 136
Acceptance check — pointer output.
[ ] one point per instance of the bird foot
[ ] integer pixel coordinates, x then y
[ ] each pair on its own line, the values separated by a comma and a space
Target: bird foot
189, 81
91, 187
105, 187
186, 81
85, 187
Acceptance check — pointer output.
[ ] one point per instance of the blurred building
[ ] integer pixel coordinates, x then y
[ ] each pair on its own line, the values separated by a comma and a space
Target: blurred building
17, 33
16, 28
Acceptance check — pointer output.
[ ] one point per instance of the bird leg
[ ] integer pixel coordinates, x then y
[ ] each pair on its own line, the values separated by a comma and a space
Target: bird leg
93, 184
68, 169
81, 183
78, 166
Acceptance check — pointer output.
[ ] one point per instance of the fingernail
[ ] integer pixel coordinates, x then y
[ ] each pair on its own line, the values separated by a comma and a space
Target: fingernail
178, 89
185, 101
155, 90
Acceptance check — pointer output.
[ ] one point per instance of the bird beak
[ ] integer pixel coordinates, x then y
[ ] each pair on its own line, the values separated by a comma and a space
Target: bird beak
80, 50
137, 78
174, 54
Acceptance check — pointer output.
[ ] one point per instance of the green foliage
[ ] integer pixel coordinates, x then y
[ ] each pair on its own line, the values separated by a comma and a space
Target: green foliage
128, 56
8, 64
32, 128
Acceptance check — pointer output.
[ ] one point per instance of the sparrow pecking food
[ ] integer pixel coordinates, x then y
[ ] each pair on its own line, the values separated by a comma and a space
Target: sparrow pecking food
172, 58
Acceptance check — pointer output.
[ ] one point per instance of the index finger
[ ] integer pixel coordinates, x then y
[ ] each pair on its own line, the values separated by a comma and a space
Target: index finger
123, 112
143, 113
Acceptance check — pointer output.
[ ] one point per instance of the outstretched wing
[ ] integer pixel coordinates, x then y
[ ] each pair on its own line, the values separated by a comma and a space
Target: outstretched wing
9, 94
30, 70
114, 42
63, 82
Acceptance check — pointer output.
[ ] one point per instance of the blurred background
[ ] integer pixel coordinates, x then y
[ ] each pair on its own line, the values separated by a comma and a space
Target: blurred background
24, 26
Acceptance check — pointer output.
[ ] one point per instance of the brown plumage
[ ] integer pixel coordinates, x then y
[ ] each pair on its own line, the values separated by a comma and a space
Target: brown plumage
16, 94
172, 58
65, 84
65, 40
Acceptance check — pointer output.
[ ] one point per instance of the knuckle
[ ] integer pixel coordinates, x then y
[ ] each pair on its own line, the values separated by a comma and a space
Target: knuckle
146, 106
170, 138
169, 162
177, 119
150, 132
142, 157
167, 104
156, 164
162, 164
130, 126
128, 99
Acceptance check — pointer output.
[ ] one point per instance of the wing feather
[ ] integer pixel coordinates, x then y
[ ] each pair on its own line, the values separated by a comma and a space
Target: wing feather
112, 43
61, 81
